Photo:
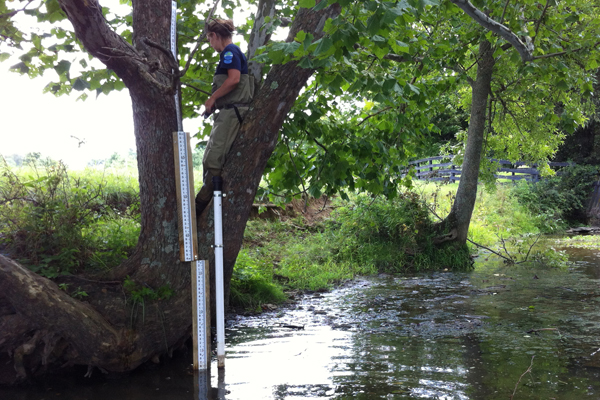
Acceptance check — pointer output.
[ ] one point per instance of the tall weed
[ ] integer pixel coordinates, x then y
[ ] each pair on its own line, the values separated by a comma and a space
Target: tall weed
391, 236
559, 201
57, 222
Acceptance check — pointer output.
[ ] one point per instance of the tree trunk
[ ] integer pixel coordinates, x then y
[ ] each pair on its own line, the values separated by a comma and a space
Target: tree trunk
43, 328
457, 222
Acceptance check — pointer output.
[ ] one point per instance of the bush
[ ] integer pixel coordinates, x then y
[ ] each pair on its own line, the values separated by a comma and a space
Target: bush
561, 200
58, 223
392, 236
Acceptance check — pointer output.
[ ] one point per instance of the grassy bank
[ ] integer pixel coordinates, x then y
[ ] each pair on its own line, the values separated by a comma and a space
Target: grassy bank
65, 222
366, 236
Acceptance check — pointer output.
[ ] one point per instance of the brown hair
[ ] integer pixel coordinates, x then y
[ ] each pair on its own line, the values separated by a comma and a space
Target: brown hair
222, 27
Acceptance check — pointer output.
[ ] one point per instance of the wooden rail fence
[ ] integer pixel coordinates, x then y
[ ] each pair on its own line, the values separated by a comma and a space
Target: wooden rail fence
442, 168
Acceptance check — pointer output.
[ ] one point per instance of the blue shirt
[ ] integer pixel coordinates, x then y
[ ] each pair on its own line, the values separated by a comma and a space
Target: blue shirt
232, 57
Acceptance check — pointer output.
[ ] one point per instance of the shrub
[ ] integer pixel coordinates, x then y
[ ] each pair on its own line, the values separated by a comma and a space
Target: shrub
60, 223
392, 236
561, 200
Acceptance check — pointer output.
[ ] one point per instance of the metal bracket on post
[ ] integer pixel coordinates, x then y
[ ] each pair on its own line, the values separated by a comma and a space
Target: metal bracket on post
219, 281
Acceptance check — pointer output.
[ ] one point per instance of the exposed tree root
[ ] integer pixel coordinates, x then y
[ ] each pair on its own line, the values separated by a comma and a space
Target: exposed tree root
446, 238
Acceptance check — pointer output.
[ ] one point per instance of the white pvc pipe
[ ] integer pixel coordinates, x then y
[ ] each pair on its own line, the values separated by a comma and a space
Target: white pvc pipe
219, 278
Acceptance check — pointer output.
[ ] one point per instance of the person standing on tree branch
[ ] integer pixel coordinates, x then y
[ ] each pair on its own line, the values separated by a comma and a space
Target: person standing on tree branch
232, 92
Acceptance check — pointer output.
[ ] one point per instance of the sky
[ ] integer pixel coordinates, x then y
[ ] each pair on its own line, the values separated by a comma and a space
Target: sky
33, 121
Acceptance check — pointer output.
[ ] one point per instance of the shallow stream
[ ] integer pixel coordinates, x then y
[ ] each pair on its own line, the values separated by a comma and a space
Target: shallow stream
484, 334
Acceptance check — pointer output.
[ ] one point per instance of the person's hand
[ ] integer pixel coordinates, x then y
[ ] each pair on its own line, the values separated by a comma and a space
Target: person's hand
209, 106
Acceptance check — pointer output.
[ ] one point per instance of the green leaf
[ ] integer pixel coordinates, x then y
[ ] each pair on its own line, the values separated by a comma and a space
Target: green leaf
572, 18
321, 5
21, 67
388, 84
286, 48
373, 24
300, 36
4, 56
414, 88
380, 52
80, 84
324, 45
306, 3
305, 63
562, 84
62, 68
308, 41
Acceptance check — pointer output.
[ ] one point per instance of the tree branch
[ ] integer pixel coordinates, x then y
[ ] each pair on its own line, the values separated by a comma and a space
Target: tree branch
372, 115
196, 88
496, 27
287, 144
259, 35
15, 12
504, 11
315, 140
98, 37
537, 25
521, 377
487, 248
398, 58
562, 53
165, 51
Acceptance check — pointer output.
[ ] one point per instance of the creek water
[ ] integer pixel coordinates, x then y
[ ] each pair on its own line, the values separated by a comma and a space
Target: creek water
485, 334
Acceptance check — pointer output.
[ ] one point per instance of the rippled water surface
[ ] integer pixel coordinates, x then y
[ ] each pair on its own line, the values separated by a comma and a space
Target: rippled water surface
475, 335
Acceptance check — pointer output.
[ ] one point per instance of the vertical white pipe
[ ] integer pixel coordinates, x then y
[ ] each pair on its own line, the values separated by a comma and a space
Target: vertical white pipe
219, 276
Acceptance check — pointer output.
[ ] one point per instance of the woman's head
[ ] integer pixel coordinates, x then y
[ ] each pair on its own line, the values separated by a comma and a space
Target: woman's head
221, 27
219, 33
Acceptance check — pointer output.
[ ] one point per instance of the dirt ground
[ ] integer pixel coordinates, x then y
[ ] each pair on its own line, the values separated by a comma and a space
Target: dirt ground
311, 211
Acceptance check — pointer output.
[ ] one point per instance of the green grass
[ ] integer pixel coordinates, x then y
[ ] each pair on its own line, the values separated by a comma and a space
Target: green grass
586, 242
60, 222
497, 214
361, 237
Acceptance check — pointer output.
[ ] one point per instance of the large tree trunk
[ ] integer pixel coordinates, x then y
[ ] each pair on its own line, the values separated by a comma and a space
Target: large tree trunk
42, 327
457, 222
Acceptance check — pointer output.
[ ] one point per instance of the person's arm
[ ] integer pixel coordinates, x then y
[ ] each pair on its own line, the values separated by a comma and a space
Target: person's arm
233, 78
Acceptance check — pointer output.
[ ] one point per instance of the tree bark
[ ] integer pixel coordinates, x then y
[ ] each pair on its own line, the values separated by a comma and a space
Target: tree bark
457, 222
43, 327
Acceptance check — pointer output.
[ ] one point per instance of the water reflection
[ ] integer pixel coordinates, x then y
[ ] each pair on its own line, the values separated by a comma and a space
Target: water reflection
431, 336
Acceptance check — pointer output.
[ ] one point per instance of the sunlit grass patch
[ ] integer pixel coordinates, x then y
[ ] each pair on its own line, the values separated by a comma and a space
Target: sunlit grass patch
497, 214
585, 242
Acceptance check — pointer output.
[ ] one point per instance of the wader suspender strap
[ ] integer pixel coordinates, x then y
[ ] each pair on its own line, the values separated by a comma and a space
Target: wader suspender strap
235, 108
237, 113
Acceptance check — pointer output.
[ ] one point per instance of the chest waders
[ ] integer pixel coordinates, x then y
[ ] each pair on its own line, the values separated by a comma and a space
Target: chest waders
232, 109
